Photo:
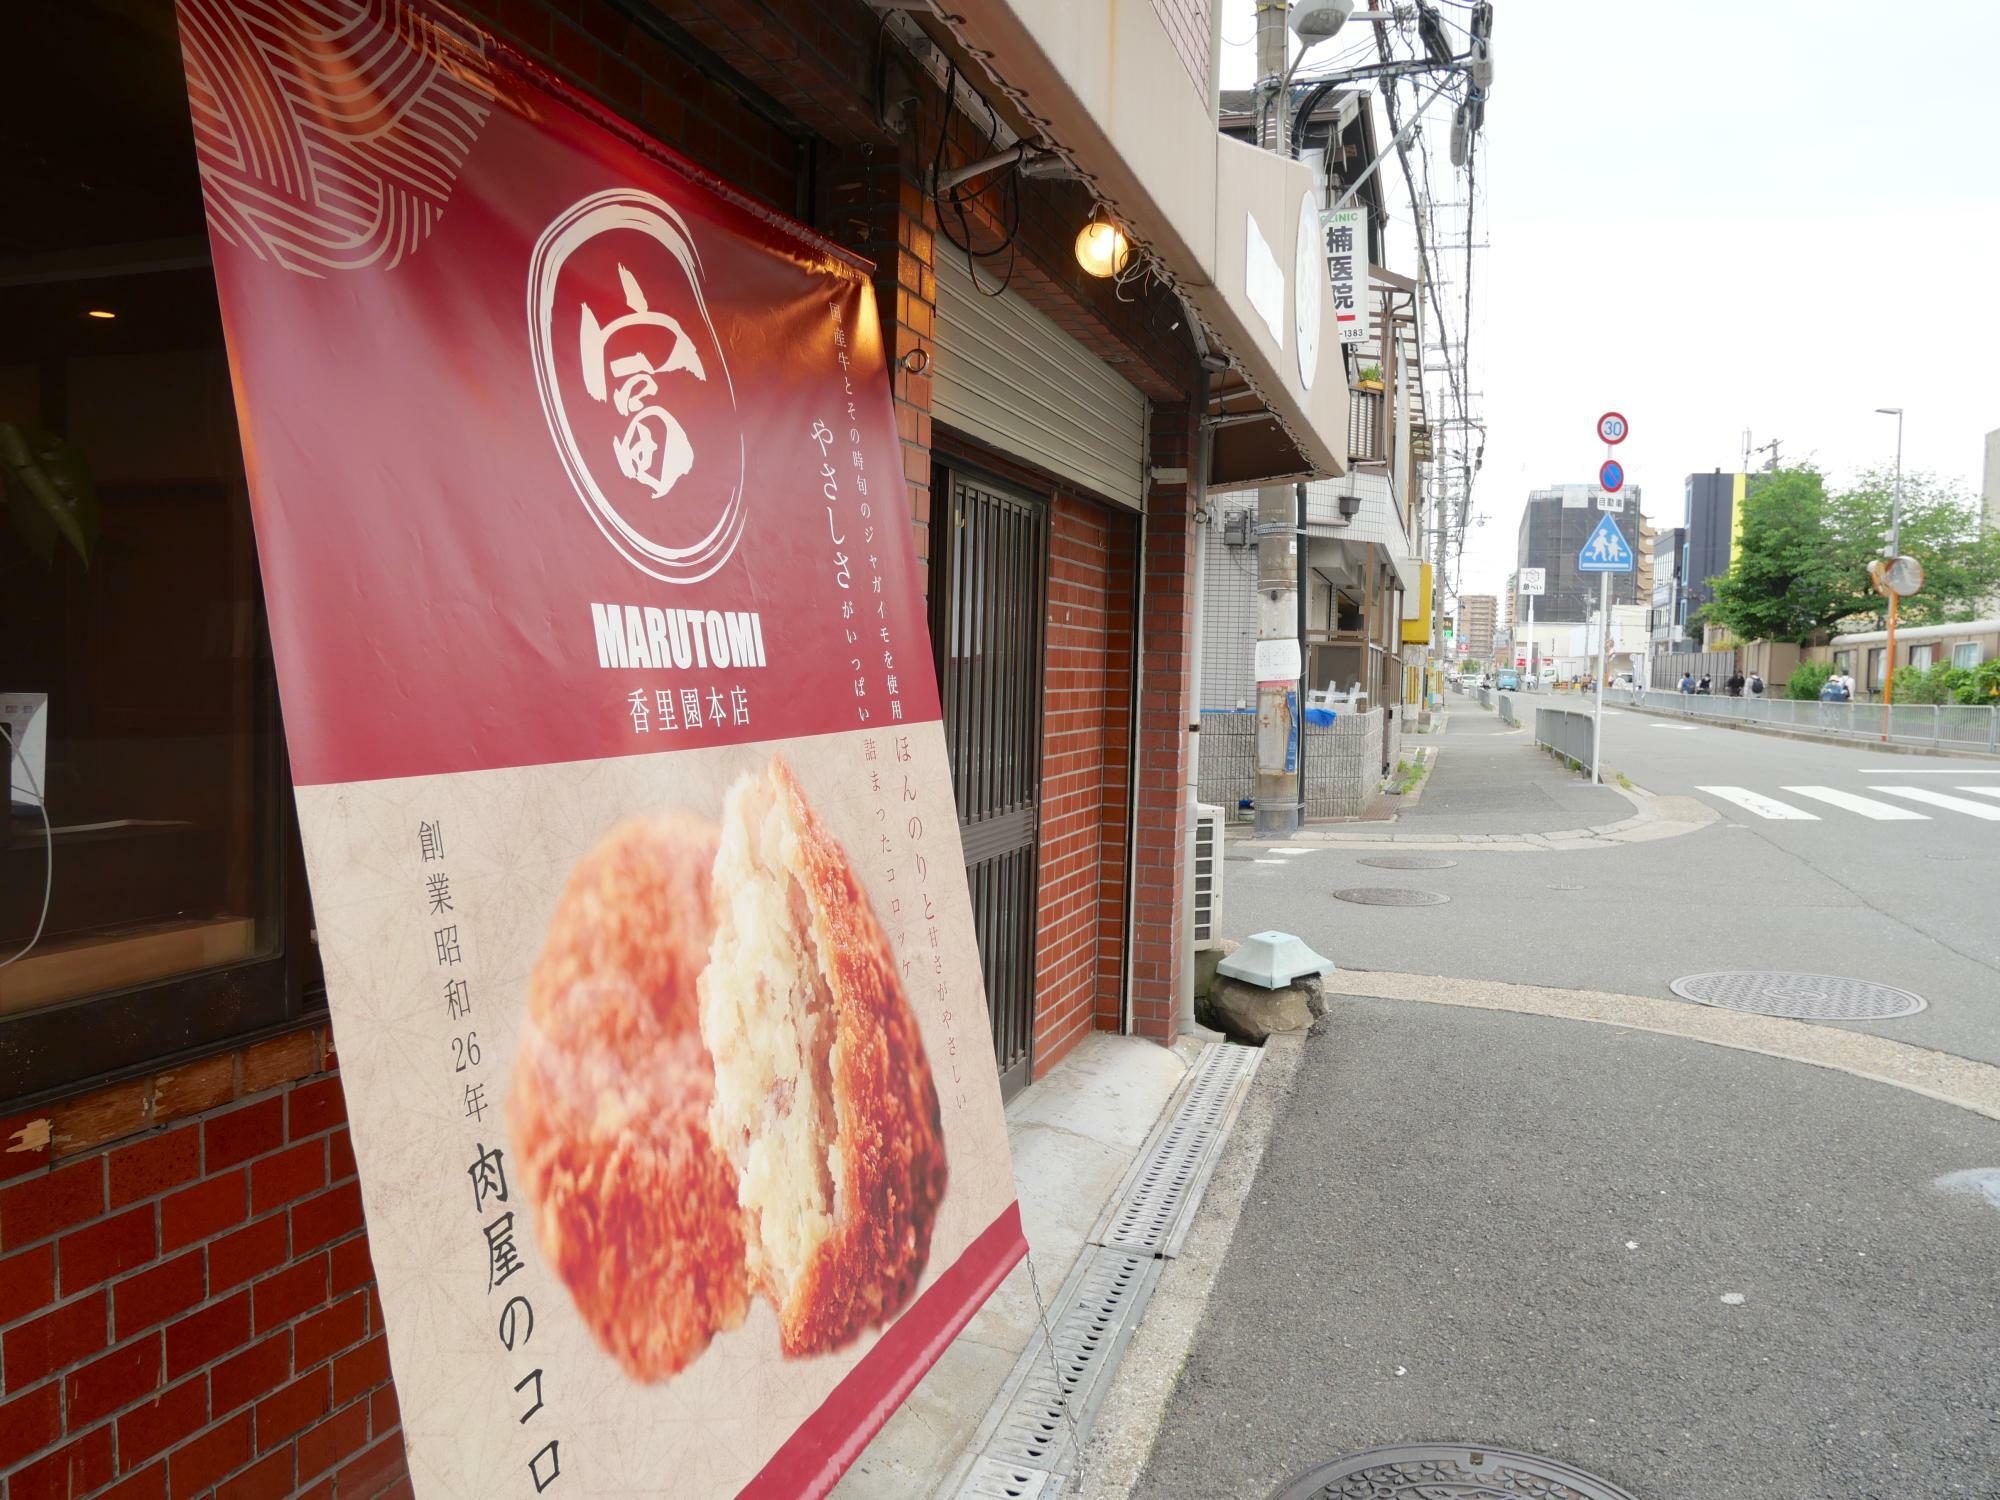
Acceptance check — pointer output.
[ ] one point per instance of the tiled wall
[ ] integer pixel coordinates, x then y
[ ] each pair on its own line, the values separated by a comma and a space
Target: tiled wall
1229, 610
186, 1301
1086, 733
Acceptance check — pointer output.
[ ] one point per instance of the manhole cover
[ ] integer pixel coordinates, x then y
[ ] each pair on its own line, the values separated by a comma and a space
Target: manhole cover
1425, 1470
1806, 997
1382, 895
1411, 862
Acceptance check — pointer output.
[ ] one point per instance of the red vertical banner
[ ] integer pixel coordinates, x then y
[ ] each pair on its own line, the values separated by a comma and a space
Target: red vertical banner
625, 801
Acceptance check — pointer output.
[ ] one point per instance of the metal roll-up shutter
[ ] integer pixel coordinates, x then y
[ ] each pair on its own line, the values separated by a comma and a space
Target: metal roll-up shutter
1007, 375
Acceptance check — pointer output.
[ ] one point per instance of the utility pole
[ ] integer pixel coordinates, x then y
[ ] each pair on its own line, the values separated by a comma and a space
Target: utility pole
1280, 656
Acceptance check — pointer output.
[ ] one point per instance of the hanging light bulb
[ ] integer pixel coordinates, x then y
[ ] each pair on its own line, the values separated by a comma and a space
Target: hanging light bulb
1101, 246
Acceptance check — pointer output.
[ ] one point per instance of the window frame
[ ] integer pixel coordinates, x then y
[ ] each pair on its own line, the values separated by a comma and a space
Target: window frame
73, 1046
1960, 647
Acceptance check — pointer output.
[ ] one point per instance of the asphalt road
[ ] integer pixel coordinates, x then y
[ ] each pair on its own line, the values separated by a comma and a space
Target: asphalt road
1913, 902
1502, 1229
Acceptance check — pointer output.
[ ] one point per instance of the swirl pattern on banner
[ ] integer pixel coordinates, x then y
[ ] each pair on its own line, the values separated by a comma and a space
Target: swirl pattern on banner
329, 132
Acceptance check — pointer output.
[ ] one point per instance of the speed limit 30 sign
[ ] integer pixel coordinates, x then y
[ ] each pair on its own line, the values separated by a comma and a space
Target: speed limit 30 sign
1612, 427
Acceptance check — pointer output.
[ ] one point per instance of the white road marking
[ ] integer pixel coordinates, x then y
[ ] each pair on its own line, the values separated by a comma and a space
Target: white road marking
1939, 799
1929, 771
1291, 851
1989, 790
1763, 807
1868, 807
1674, 726
1267, 861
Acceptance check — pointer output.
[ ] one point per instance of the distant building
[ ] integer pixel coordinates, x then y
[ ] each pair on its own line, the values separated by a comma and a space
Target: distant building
1990, 481
1555, 524
1666, 618
1714, 512
1477, 615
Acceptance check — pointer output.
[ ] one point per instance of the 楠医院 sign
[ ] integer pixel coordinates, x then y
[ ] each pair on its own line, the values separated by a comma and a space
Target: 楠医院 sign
634, 858
1347, 271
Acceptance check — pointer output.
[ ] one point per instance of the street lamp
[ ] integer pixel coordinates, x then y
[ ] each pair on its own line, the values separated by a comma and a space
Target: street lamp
1895, 551
1896, 497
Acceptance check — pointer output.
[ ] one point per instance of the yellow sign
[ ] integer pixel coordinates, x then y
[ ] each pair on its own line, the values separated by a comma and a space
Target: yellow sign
1417, 632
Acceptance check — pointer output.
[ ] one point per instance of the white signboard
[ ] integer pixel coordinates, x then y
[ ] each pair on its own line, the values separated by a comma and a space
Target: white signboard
1308, 275
1347, 267
1607, 501
1575, 497
1264, 279
1534, 581
1278, 661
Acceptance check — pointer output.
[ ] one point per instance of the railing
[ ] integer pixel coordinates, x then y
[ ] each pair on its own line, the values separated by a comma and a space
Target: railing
1343, 765
1486, 697
1942, 726
1365, 426
1507, 710
1564, 731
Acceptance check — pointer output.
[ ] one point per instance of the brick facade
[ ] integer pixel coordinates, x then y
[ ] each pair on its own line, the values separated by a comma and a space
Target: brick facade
1086, 751
186, 1300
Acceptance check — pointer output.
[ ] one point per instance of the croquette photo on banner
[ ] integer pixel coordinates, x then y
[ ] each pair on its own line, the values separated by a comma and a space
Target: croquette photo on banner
602, 653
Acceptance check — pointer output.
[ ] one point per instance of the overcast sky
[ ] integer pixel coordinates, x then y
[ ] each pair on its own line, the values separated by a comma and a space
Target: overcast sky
1722, 214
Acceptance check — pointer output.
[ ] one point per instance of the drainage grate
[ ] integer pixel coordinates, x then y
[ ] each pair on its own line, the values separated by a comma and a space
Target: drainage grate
1804, 997
1383, 895
1060, 1378
1027, 1443
1424, 1470
1412, 862
996, 1479
1153, 1205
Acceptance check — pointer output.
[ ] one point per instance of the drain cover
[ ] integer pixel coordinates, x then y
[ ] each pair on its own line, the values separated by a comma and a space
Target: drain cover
1806, 997
1424, 1470
1383, 895
1411, 862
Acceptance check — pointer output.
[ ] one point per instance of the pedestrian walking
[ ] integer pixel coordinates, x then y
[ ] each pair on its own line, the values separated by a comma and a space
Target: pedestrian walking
1735, 683
1756, 684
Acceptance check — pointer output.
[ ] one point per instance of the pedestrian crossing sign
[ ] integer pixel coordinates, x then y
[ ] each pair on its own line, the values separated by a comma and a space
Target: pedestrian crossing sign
1607, 551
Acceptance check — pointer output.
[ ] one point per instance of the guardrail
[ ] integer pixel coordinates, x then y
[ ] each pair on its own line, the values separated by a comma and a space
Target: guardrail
1564, 731
1940, 726
1486, 697
1507, 710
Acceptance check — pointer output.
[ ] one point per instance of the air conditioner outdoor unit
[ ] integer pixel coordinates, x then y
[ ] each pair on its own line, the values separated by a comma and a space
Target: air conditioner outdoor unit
1208, 860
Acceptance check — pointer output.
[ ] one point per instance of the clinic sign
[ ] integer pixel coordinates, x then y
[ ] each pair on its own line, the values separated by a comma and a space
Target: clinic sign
625, 801
1347, 270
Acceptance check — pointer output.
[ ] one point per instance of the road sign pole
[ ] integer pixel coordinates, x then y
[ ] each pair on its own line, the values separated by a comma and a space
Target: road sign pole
1603, 643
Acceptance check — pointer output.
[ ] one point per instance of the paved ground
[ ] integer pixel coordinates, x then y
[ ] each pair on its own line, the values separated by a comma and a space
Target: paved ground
1513, 1230
1491, 779
1905, 902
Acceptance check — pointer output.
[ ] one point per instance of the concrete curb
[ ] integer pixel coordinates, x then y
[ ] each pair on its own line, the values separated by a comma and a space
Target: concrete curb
1653, 817
1121, 1439
1960, 1081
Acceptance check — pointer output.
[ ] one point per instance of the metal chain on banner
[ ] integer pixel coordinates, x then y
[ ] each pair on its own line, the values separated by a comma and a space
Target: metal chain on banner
1055, 1369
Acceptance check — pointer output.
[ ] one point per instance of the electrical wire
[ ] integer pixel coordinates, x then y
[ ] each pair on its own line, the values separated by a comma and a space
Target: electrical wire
49, 864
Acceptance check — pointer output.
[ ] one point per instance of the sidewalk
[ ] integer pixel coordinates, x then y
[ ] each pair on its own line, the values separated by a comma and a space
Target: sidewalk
1492, 787
1505, 1229
1073, 1134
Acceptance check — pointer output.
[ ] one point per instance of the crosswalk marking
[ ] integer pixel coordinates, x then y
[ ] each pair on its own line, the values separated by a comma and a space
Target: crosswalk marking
1762, 806
1868, 807
1984, 791
1939, 799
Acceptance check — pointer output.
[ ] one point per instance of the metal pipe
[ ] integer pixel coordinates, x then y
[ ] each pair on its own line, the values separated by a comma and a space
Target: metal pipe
1396, 141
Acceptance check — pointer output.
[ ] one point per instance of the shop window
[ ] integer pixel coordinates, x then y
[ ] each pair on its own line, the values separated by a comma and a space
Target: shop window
151, 898
1965, 655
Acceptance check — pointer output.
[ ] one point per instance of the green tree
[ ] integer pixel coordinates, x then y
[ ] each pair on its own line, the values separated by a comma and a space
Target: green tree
1803, 553
1942, 527
1783, 584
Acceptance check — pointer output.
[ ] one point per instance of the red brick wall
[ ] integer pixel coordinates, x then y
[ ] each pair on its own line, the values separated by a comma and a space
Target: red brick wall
1086, 727
186, 1301
1166, 645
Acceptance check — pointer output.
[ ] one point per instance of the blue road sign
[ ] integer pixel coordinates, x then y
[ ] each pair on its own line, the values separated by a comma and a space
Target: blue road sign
1607, 551
1611, 477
